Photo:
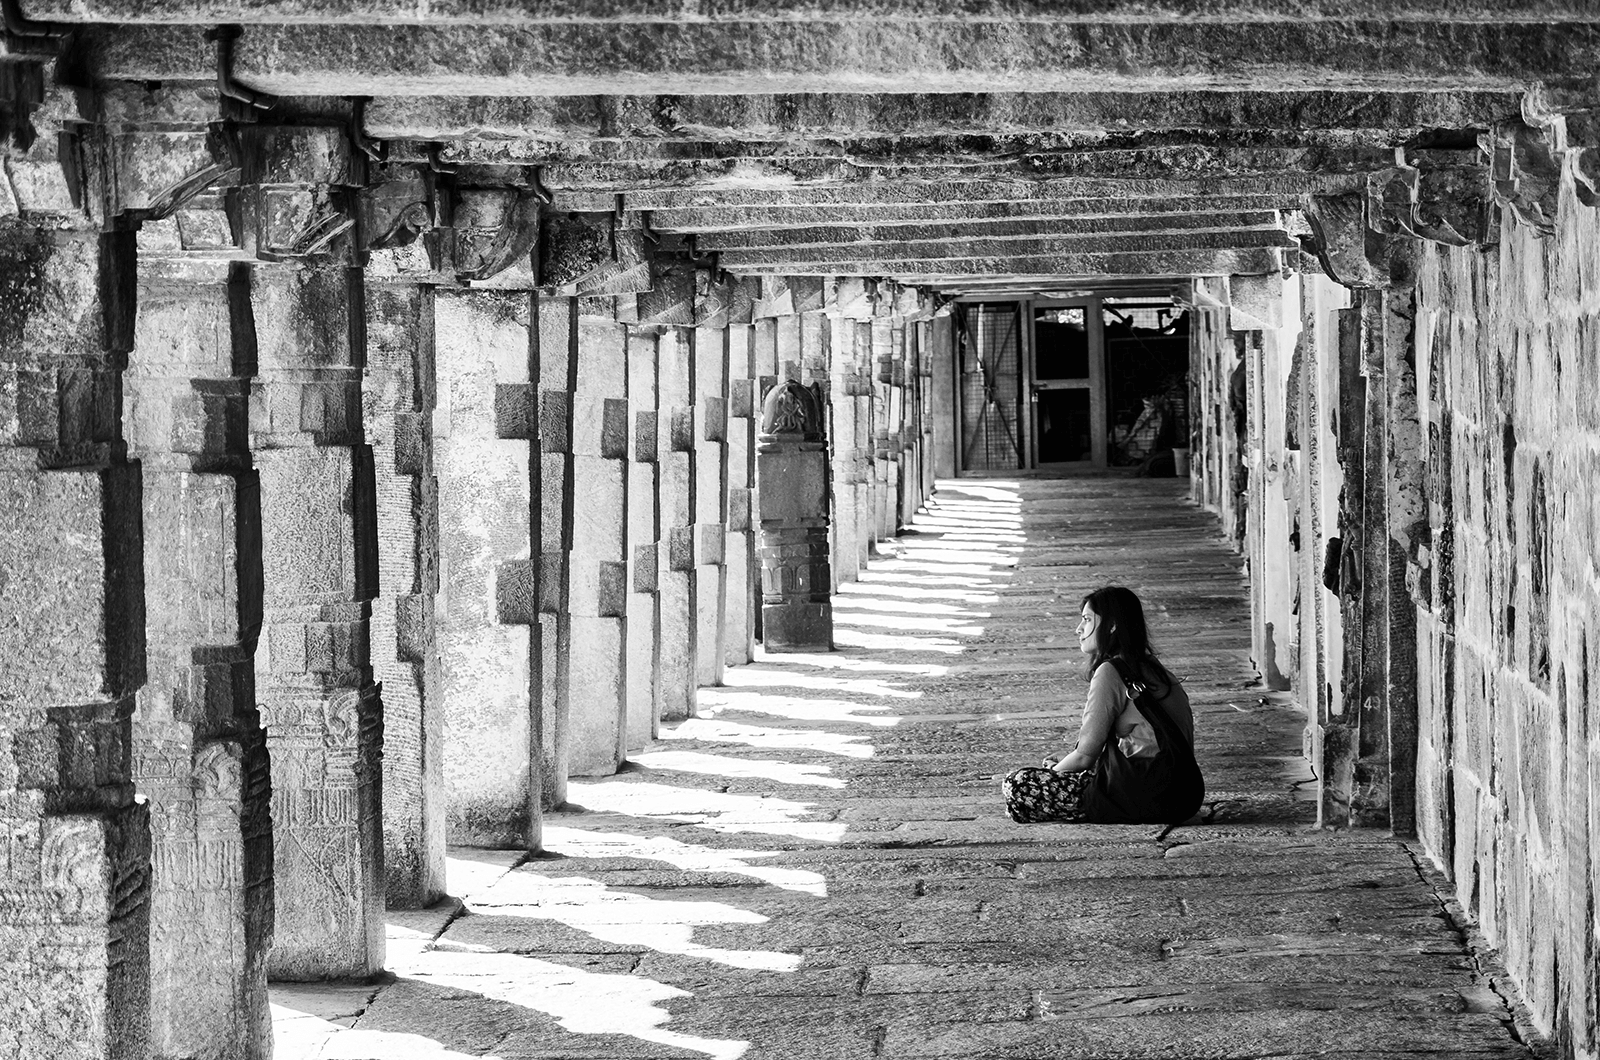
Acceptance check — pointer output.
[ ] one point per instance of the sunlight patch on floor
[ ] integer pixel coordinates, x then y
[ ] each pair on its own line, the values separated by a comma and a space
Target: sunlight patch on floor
590, 843
581, 1002
716, 730
819, 710
763, 677
718, 811
623, 918
722, 766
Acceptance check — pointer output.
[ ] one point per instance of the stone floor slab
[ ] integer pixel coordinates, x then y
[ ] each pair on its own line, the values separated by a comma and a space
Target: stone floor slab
820, 866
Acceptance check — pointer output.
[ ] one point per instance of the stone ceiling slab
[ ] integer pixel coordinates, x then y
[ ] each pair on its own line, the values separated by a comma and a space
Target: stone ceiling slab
516, 12
995, 55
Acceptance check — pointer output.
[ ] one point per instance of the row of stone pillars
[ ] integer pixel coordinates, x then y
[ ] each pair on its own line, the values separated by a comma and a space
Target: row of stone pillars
1312, 454
321, 557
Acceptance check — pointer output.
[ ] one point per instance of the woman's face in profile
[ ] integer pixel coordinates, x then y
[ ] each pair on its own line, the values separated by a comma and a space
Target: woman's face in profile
1088, 631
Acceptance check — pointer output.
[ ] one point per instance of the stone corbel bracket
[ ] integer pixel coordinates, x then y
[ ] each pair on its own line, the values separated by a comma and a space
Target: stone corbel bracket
297, 191
597, 254
1525, 163
1349, 240
1366, 237
1570, 123
403, 229
495, 231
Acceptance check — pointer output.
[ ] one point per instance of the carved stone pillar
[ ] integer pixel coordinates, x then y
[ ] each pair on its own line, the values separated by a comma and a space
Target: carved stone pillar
314, 678
200, 754
74, 843
403, 251
792, 475
405, 653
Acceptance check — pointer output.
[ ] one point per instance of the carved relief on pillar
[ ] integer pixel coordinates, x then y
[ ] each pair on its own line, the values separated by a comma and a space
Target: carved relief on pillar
326, 752
300, 206
792, 480
74, 843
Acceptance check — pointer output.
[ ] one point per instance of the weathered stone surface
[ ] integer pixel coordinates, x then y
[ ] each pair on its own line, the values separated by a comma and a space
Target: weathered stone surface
792, 478
772, 117
485, 516
401, 389
581, 58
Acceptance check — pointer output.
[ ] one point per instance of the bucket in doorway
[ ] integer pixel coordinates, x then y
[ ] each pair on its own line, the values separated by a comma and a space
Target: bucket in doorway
1180, 462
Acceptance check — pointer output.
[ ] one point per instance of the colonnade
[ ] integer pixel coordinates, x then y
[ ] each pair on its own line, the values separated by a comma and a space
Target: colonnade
342, 532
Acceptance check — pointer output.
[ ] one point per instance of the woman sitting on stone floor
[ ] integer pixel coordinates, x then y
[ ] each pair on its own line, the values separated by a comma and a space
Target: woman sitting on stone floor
1134, 758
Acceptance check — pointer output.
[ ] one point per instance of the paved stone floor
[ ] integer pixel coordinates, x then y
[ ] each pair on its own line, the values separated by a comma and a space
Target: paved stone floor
819, 865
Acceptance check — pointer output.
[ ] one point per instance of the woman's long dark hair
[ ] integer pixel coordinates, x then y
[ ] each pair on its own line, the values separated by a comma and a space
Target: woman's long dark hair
1123, 633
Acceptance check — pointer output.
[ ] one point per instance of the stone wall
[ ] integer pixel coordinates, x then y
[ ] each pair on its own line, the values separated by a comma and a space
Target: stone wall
1508, 364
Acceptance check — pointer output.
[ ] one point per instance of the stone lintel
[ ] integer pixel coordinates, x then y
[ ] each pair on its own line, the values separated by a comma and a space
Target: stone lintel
766, 116
1025, 246
809, 234
1171, 263
782, 169
819, 54
944, 194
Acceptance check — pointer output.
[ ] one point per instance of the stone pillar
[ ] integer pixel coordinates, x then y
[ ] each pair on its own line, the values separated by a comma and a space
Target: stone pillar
792, 476
314, 679
200, 754
489, 586
597, 683
853, 301
401, 397
74, 969
644, 533
885, 427
943, 435
677, 587
710, 499
556, 360
739, 552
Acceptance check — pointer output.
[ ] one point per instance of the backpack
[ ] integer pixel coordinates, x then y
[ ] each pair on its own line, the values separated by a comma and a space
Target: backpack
1164, 789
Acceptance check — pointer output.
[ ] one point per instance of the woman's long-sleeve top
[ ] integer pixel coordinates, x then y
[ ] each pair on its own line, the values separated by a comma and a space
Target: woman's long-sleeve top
1109, 711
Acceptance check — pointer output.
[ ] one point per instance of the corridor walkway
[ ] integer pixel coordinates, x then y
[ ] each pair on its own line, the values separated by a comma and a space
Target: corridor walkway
819, 866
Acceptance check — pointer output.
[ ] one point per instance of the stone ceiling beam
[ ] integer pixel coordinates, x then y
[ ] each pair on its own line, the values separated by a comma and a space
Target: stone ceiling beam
742, 118
946, 193
823, 55
1037, 12
1223, 262
1132, 154
827, 257
1242, 211
1175, 225
1198, 163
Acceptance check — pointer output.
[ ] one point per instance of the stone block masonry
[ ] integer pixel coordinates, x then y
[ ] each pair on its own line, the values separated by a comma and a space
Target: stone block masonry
1502, 561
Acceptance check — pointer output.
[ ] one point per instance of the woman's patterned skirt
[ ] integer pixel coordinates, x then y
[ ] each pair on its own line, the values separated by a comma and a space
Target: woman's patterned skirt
1034, 795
